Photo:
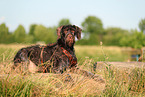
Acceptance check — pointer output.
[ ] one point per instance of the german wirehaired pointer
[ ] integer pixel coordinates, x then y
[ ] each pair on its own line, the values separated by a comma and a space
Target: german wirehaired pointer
56, 58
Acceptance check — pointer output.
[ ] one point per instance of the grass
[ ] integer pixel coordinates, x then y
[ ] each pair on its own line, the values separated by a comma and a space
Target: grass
119, 82
99, 53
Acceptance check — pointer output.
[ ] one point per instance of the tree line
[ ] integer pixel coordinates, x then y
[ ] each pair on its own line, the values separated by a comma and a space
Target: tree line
93, 33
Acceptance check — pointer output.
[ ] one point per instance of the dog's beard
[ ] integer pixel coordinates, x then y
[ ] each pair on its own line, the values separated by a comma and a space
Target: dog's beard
70, 43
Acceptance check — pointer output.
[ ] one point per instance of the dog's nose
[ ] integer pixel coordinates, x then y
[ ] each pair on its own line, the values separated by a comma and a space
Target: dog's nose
70, 36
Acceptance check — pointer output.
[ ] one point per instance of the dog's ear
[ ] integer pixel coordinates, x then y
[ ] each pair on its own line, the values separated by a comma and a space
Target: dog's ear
78, 32
59, 32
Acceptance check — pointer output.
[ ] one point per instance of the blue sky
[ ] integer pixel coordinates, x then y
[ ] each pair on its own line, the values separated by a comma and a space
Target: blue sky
125, 14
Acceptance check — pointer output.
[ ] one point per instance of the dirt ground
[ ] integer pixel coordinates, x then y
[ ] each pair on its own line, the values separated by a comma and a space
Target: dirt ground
126, 65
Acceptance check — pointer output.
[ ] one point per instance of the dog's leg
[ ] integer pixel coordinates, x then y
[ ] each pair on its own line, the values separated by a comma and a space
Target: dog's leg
25, 66
32, 67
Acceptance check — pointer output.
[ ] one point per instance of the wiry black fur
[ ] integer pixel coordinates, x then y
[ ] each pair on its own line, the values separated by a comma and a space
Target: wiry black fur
52, 55
51, 58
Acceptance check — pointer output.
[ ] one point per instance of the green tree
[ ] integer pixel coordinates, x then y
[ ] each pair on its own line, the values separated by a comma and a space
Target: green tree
134, 40
32, 28
48, 35
92, 24
94, 28
64, 22
113, 35
142, 25
40, 33
19, 34
5, 35
30, 37
52, 36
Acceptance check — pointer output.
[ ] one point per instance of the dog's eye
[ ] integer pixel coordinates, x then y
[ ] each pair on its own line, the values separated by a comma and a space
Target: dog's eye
72, 31
65, 31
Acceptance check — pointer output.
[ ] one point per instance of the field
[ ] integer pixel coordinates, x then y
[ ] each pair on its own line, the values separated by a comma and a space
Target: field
119, 82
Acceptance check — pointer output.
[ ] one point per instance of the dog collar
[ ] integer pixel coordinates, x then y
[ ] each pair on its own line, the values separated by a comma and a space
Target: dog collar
72, 61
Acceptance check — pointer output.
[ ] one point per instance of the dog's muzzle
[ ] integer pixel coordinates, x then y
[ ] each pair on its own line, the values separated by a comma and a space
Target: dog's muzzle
69, 38
69, 34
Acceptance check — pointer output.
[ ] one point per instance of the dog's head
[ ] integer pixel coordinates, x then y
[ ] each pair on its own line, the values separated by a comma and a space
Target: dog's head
67, 34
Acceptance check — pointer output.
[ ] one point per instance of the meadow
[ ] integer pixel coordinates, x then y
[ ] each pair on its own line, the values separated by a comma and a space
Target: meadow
119, 82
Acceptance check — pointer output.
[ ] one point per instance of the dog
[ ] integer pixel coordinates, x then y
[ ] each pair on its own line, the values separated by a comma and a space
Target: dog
56, 57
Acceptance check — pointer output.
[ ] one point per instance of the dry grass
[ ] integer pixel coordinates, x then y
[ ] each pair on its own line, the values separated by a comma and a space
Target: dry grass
119, 82
46, 84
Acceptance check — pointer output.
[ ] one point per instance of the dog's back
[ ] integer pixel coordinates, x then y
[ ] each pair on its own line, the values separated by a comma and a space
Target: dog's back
33, 56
